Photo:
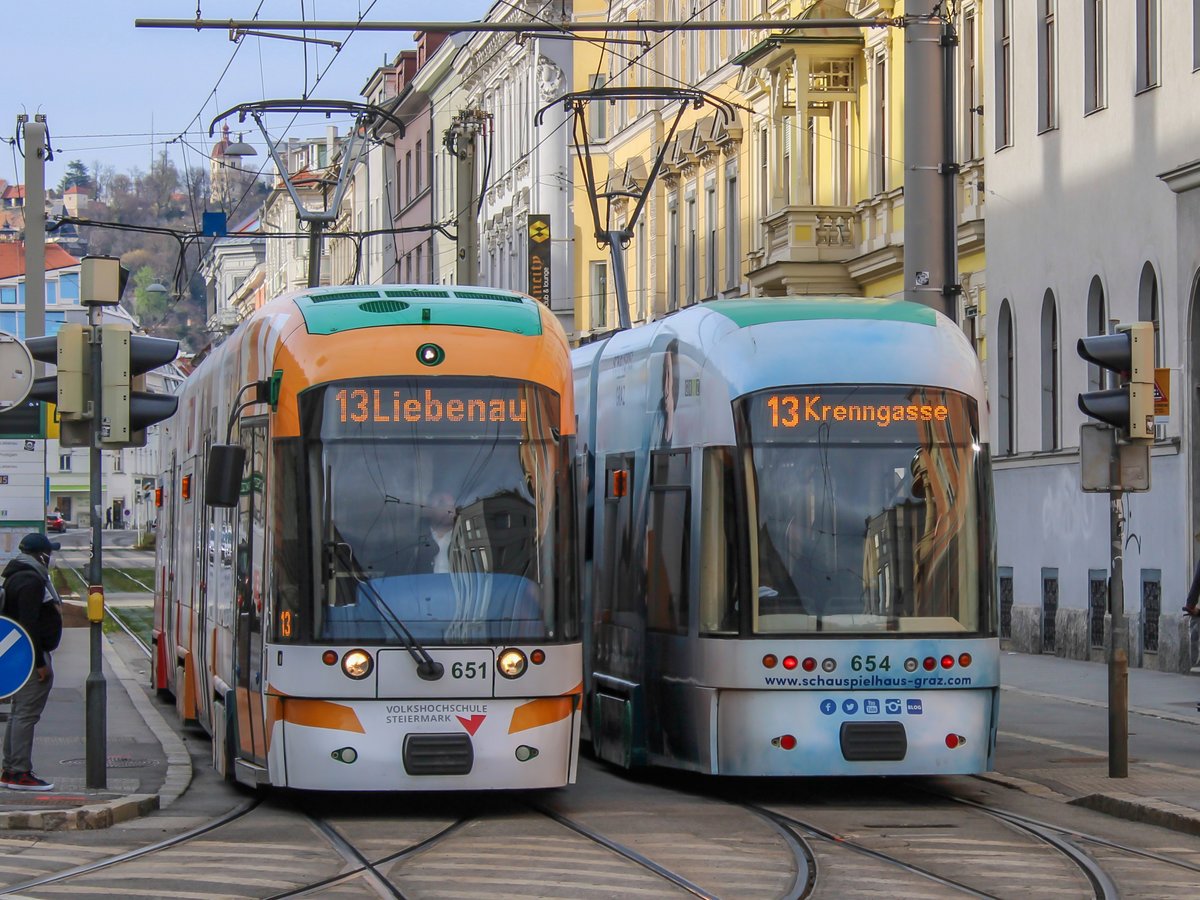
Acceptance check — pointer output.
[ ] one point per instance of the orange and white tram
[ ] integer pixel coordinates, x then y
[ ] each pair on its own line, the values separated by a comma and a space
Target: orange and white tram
366, 555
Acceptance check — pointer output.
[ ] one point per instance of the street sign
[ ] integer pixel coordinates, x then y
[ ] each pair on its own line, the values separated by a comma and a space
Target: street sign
16, 371
1162, 394
16, 657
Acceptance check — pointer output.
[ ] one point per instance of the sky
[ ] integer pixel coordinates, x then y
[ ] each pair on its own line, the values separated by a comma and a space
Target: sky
115, 95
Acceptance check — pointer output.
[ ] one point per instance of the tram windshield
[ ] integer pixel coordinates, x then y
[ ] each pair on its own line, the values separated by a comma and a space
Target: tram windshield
871, 511
439, 505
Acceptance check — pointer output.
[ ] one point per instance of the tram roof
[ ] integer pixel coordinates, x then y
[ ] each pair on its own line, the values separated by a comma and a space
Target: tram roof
744, 313
332, 310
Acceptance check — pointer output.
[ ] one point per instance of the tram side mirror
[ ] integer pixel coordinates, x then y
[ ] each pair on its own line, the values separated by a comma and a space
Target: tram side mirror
223, 481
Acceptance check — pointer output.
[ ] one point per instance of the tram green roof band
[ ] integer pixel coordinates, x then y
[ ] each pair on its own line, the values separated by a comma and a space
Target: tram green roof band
334, 310
745, 313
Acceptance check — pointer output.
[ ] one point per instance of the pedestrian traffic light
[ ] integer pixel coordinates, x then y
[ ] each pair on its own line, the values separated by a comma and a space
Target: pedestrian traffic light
1128, 407
69, 388
126, 408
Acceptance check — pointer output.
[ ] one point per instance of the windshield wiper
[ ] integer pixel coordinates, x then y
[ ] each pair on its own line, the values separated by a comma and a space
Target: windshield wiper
428, 668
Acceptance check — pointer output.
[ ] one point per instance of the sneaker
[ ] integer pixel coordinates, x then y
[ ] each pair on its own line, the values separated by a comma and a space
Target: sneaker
26, 781
5, 777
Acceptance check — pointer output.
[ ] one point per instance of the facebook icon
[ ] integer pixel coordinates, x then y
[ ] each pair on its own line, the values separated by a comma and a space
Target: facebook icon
828, 707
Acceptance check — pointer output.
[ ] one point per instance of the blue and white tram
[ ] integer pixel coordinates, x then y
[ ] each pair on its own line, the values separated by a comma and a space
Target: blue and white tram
789, 541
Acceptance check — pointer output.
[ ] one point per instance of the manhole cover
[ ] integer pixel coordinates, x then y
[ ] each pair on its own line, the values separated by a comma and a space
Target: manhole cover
113, 762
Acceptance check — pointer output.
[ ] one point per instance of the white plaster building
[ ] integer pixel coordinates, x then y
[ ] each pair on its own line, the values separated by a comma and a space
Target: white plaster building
1093, 110
527, 167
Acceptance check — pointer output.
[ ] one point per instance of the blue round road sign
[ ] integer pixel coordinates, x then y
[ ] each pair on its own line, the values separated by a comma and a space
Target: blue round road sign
16, 657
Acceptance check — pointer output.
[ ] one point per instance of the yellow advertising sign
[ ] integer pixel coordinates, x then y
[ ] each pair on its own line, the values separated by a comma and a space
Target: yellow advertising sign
1162, 393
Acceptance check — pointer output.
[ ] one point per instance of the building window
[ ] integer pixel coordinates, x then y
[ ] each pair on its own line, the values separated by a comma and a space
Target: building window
1004, 73
733, 227
710, 239
972, 120
764, 185
643, 278
1151, 608
1095, 56
408, 191
1050, 389
1147, 44
418, 267
8, 296
418, 165
1195, 35
68, 287
598, 111
1097, 323
64, 462
599, 287
118, 462
1006, 600
842, 151
1049, 610
1097, 605
1148, 306
693, 262
879, 146
672, 255
1047, 65
1006, 436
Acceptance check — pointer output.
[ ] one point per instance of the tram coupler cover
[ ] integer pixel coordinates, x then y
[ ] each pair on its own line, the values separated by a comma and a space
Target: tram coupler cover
95, 603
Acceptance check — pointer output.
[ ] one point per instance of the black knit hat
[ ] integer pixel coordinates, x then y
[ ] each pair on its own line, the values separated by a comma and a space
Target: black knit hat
37, 543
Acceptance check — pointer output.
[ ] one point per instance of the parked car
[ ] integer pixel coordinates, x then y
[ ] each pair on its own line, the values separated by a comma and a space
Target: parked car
55, 522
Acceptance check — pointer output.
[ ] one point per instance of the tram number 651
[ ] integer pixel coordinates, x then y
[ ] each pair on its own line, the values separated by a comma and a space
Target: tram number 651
468, 670
870, 663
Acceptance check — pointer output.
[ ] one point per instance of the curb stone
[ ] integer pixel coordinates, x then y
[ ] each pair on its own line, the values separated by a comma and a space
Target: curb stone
1142, 809
104, 815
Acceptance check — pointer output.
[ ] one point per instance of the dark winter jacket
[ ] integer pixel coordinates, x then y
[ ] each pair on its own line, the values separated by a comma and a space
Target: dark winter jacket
29, 600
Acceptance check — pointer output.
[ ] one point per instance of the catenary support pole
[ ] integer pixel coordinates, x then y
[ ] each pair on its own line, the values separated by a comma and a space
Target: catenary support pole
1118, 652
34, 140
95, 688
926, 279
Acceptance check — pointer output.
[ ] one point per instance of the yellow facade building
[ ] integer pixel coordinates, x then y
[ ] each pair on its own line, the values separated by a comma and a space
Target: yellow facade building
789, 180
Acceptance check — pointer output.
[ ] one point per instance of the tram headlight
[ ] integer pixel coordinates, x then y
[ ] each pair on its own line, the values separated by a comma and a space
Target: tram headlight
357, 664
511, 663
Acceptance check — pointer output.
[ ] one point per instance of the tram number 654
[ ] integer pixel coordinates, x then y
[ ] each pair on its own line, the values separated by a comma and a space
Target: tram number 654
870, 663
468, 670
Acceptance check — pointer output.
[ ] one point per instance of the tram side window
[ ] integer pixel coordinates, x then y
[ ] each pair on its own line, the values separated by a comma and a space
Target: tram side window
668, 536
291, 565
250, 536
616, 586
719, 550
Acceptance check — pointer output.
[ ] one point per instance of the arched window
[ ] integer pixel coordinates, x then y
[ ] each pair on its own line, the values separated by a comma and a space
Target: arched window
1006, 431
1149, 307
1050, 389
1097, 323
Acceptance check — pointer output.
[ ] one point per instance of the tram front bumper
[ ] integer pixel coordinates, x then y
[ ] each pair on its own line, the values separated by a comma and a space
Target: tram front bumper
442, 744
947, 732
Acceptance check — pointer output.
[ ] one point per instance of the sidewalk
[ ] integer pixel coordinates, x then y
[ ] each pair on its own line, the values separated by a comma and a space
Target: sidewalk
148, 765
1053, 739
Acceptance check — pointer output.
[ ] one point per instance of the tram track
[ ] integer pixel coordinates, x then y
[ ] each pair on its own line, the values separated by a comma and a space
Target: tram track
99, 865
113, 614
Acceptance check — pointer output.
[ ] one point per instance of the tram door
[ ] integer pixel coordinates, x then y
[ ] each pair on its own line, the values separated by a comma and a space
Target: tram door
248, 595
669, 668
617, 620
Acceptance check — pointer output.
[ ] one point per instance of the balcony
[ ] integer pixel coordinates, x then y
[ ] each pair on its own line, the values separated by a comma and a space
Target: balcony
805, 251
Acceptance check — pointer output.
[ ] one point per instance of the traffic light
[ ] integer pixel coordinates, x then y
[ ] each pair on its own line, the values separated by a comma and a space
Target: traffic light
70, 387
1130, 353
126, 407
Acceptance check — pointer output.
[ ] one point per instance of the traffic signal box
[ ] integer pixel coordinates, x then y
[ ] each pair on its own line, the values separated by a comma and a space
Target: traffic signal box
126, 408
70, 388
1129, 407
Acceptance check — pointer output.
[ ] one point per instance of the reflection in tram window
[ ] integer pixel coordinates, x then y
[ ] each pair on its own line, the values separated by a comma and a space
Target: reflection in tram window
866, 510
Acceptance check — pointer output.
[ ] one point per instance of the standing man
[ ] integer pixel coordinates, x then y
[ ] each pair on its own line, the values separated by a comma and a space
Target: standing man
31, 600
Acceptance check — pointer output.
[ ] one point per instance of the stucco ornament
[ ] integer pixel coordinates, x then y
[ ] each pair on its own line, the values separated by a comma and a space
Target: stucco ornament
550, 79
